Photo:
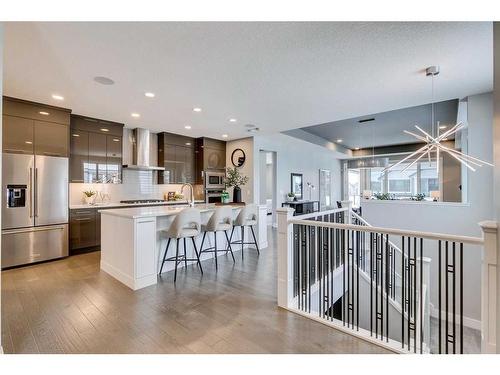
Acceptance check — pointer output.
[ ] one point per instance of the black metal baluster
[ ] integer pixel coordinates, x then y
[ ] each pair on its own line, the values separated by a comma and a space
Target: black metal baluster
421, 295
461, 298
321, 309
403, 305
357, 280
454, 297
446, 297
408, 314
414, 294
344, 302
387, 281
352, 279
308, 244
376, 271
371, 284
439, 296
299, 267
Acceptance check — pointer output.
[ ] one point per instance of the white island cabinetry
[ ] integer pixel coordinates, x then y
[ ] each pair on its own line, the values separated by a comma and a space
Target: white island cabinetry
132, 242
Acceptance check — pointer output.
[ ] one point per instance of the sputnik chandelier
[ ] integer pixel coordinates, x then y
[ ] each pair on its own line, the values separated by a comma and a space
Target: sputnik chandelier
433, 143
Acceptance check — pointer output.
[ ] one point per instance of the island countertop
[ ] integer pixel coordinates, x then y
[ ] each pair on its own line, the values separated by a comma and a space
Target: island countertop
155, 211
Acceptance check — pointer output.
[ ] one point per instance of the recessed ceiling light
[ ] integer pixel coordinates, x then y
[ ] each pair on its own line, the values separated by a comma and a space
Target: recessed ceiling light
104, 130
149, 94
357, 148
196, 109
232, 120
104, 80
75, 135
44, 113
136, 115
443, 127
339, 140
57, 97
224, 135
187, 127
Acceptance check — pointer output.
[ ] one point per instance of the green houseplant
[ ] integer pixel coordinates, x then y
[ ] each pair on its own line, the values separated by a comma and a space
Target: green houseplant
235, 179
89, 196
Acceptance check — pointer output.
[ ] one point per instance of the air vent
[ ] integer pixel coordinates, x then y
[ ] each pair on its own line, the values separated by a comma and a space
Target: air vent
366, 120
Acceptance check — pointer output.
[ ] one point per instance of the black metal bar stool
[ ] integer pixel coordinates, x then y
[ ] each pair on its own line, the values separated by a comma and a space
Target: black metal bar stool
220, 221
186, 224
247, 217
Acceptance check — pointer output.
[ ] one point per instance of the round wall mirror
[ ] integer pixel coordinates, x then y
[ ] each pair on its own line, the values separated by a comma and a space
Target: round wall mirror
238, 157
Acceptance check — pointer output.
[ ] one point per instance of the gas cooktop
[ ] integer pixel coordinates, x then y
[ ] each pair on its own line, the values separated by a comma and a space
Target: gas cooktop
139, 201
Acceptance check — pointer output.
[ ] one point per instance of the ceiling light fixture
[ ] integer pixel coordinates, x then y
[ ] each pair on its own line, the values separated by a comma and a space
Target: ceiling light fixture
135, 115
224, 135
433, 143
116, 140
339, 140
44, 113
196, 109
57, 97
104, 80
253, 130
187, 127
149, 94
232, 120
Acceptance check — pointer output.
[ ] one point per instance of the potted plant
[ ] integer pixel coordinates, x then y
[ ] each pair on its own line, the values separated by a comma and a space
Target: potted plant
290, 197
235, 179
89, 196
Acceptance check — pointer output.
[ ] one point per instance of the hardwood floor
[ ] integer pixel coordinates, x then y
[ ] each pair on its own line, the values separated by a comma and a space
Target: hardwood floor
70, 306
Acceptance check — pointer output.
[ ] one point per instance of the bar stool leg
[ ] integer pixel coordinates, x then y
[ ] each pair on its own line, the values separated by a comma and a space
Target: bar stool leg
215, 250
229, 245
242, 239
164, 256
176, 257
202, 241
197, 255
255, 240
185, 256
230, 238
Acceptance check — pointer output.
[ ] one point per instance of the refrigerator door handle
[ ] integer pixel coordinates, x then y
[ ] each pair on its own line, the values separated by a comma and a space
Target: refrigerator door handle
36, 191
31, 193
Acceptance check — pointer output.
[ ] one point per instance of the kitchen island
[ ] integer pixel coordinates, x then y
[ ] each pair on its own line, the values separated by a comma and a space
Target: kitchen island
132, 241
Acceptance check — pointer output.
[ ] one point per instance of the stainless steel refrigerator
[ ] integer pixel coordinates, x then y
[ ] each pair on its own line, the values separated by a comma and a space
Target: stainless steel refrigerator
34, 208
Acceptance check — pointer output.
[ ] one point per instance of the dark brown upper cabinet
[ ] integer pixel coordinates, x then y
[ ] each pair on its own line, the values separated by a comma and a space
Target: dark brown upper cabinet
35, 128
96, 150
176, 154
210, 155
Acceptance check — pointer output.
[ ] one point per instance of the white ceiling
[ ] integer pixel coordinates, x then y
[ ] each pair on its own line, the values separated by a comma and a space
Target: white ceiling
278, 76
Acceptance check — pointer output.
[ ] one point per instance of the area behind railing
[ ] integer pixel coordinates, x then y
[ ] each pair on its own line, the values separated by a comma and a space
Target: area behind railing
376, 283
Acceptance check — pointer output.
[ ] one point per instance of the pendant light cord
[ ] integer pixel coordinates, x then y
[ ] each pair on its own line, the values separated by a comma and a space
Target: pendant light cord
432, 110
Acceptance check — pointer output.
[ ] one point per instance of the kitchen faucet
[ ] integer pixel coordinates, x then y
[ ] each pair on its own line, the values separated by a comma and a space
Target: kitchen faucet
190, 201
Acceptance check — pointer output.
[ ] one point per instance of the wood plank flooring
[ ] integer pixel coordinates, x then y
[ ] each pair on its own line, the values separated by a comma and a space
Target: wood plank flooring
70, 306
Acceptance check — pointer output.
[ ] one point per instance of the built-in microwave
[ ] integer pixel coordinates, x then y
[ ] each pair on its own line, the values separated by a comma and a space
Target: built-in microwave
214, 180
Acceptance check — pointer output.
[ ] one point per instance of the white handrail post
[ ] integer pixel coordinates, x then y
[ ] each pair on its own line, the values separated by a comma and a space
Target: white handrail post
489, 312
348, 205
285, 248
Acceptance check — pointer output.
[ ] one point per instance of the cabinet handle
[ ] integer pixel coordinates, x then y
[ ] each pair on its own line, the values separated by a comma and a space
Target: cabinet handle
36, 191
16, 151
76, 180
84, 219
31, 193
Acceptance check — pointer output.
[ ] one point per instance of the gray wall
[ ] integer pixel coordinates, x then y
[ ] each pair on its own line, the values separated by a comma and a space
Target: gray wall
496, 142
453, 218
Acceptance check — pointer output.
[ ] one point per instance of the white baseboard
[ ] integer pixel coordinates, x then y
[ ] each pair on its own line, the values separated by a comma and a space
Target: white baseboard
126, 279
468, 322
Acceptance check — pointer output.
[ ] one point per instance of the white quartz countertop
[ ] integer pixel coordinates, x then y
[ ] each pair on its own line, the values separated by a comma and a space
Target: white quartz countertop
118, 205
154, 211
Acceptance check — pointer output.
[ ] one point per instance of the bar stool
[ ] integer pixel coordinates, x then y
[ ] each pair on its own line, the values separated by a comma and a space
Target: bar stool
220, 221
246, 218
186, 224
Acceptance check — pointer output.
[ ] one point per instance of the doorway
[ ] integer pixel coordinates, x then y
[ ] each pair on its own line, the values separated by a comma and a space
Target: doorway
267, 184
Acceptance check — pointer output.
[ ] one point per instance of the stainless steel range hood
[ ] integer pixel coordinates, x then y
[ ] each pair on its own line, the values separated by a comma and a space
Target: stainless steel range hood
140, 153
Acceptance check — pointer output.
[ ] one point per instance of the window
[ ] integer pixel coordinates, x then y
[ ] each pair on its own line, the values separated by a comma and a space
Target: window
354, 185
402, 180
429, 180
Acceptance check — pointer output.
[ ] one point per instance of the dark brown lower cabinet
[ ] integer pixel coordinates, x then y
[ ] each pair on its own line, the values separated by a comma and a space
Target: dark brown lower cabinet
83, 225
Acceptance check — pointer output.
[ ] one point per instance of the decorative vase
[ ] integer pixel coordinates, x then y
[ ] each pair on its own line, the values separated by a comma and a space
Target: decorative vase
289, 198
236, 194
90, 200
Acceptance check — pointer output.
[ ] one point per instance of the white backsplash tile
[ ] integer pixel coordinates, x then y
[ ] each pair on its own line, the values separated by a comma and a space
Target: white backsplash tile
136, 185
